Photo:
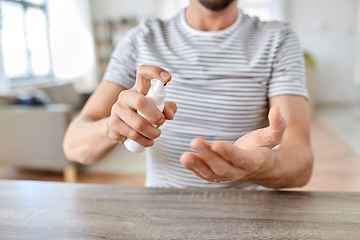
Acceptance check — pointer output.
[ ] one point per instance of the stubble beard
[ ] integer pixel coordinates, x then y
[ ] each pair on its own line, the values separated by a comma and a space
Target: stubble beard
216, 5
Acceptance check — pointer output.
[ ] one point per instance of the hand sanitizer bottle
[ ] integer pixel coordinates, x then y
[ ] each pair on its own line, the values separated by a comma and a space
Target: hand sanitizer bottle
157, 95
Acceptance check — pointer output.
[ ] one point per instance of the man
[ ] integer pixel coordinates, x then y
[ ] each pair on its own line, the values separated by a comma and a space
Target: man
225, 70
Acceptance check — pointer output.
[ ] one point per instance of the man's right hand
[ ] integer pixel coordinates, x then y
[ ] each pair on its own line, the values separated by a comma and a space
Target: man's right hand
124, 120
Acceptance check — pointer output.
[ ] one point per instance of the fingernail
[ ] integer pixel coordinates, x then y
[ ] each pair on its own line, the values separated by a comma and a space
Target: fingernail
161, 122
164, 75
172, 112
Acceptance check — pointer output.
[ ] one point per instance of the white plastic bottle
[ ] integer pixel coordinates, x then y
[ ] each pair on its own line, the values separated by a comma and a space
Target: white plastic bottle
157, 95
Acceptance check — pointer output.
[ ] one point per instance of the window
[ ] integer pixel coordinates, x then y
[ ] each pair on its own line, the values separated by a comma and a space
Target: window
266, 10
24, 49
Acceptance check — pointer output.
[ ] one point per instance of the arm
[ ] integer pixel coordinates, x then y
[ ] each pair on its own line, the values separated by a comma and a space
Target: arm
109, 117
251, 158
87, 139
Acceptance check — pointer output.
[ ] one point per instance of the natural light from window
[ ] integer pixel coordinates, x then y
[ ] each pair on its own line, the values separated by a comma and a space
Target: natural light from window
37, 41
71, 36
13, 41
266, 10
24, 36
38, 2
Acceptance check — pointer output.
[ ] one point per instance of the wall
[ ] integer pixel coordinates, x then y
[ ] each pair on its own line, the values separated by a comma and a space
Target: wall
327, 30
266, 10
165, 9
2, 77
357, 63
114, 9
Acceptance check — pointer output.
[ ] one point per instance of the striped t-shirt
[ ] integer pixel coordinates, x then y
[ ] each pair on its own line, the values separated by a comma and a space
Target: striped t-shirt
221, 83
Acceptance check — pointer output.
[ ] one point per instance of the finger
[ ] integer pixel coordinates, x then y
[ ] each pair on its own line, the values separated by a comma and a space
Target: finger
216, 163
233, 154
138, 123
116, 136
119, 131
197, 174
139, 102
170, 109
192, 162
277, 122
274, 133
266, 137
144, 75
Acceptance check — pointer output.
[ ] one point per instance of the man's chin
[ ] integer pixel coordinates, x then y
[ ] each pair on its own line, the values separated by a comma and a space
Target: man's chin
216, 5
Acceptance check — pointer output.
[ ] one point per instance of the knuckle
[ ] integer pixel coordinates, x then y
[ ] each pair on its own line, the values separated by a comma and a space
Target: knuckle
159, 119
239, 163
111, 123
208, 176
140, 101
157, 134
264, 136
134, 135
153, 134
198, 175
123, 95
235, 177
195, 172
114, 109
139, 125
116, 136
148, 143
222, 172
141, 68
216, 146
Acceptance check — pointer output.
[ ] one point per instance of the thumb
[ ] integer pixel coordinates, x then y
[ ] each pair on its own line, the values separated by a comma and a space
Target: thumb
274, 133
169, 111
265, 137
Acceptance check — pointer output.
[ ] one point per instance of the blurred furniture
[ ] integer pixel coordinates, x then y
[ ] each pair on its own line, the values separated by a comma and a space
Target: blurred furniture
31, 137
309, 84
309, 71
107, 34
39, 210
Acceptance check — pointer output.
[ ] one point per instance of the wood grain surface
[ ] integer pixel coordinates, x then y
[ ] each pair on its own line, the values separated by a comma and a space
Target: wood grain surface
45, 210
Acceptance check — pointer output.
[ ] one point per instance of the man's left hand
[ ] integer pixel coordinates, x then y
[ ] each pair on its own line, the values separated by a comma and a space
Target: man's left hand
248, 157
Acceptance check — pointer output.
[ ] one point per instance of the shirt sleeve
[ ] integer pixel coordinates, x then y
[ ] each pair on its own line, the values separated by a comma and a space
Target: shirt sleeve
288, 73
122, 68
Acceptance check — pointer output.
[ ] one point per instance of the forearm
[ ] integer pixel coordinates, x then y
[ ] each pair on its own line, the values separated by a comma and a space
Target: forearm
87, 141
286, 167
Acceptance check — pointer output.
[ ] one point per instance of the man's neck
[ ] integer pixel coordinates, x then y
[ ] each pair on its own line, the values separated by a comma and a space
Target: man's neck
203, 19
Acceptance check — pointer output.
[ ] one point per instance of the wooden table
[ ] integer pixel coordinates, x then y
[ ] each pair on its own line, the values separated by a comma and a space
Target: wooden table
44, 210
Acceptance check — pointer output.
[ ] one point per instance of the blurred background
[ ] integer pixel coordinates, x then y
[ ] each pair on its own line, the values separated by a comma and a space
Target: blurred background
53, 54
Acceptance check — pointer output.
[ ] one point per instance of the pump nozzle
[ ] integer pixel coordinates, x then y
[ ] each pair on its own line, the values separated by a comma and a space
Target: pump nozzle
159, 87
